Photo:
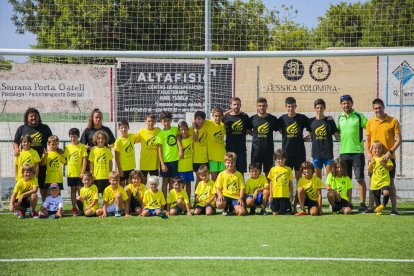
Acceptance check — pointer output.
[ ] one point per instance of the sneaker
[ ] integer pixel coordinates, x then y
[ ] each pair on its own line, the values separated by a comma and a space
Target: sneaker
118, 214
20, 214
162, 215
33, 214
362, 208
301, 213
394, 213
369, 211
335, 208
224, 213
252, 211
74, 211
379, 209
263, 212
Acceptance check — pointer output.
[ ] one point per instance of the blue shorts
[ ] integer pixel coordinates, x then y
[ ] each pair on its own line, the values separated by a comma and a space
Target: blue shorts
319, 163
259, 199
153, 212
172, 170
231, 201
187, 176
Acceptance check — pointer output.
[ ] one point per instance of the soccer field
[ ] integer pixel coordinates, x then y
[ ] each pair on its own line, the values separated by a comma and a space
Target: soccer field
330, 244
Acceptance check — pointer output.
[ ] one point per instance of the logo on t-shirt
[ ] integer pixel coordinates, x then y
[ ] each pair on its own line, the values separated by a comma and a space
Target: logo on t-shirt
203, 139
379, 170
129, 148
237, 127
263, 130
54, 163
36, 139
73, 157
282, 181
152, 142
154, 203
188, 152
232, 186
101, 158
219, 137
171, 140
320, 132
292, 130
26, 160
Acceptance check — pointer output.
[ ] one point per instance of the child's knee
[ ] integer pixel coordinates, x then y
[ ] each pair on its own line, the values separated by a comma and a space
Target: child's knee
198, 211
313, 211
347, 211
249, 201
385, 192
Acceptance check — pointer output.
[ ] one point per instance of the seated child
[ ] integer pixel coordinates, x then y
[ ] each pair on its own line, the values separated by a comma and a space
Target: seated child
135, 191
339, 187
88, 196
205, 193
24, 194
308, 191
281, 186
114, 197
230, 187
154, 200
257, 190
52, 207
177, 200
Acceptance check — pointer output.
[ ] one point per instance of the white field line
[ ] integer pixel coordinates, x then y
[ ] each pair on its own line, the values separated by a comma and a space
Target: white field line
202, 258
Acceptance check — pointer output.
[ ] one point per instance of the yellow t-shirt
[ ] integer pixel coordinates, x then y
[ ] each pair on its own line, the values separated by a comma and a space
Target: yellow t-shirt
252, 184
230, 184
74, 155
90, 194
153, 200
109, 194
149, 156
173, 196
26, 157
380, 175
126, 150
137, 195
24, 186
205, 191
200, 154
311, 186
186, 164
100, 158
280, 177
54, 163
215, 140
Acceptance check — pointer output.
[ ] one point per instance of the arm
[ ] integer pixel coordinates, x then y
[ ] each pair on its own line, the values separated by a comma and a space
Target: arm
12, 201
16, 149
368, 148
16, 171
180, 146
84, 161
28, 193
91, 167
92, 204
44, 158
291, 191
118, 164
187, 206
394, 147
349, 193
320, 201
219, 194
36, 169
105, 205
163, 167
241, 196
337, 136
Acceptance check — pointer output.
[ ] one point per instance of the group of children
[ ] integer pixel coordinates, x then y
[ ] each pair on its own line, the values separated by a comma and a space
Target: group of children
175, 152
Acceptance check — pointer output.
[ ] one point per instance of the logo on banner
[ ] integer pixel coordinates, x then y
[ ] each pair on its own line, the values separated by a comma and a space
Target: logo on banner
404, 72
320, 70
293, 69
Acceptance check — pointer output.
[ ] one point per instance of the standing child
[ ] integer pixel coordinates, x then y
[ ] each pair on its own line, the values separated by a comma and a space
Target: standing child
205, 193
76, 158
27, 155
115, 199
308, 191
257, 190
53, 205
380, 176
149, 162
135, 191
125, 151
281, 186
24, 194
88, 196
100, 160
167, 151
339, 187
177, 200
154, 200
53, 161
230, 187
200, 156
185, 163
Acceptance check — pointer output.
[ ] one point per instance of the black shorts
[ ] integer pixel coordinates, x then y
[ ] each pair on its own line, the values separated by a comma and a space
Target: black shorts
41, 177
101, 184
25, 202
295, 162
126, 175
343, 204
60, 185
355, 161
154, 172
135, 204
311, 203
74, 181
241, 161
203, 208
196, 166
264, 159
281, 205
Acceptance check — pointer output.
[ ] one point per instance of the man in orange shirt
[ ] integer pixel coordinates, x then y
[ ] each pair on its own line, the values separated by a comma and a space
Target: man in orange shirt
386, 129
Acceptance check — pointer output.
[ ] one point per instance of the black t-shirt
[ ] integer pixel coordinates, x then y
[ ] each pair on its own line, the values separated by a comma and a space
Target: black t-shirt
87, 136
292, 134
236, 128
39, 136
263, 128
322, 142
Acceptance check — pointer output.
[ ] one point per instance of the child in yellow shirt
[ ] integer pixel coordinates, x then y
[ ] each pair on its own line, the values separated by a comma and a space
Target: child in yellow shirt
114, 197
135, 191
154, 200
177, 200
100, 160
257, 190
308, 191
88, 196
205, 193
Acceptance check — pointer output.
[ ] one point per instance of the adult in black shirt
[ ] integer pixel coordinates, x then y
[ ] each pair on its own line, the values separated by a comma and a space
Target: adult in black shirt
39, 132
322, 129
292, 125
237, 124
95, 124
263, 125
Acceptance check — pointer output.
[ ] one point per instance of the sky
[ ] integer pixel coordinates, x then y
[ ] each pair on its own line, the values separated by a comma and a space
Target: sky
308, 12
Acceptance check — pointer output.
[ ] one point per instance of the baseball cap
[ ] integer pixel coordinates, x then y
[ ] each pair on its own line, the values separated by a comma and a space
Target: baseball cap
345, 98
53, 186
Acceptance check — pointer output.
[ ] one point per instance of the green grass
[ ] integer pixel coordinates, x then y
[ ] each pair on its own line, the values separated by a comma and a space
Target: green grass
338, 236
